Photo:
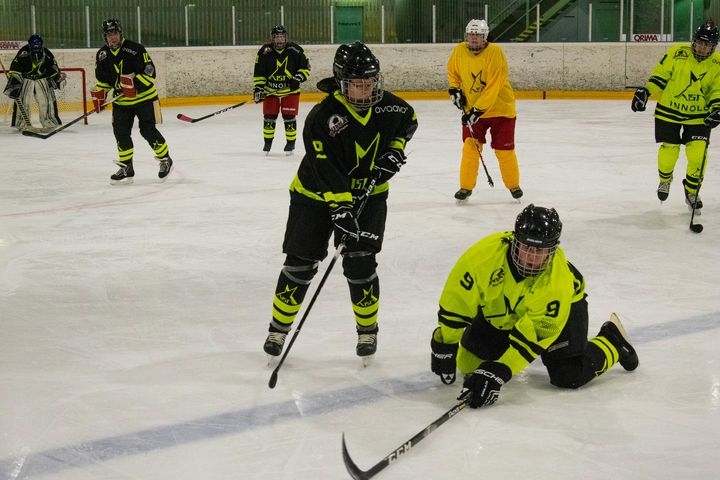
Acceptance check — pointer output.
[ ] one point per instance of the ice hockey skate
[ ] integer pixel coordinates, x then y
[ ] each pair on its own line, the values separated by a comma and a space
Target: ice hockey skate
367, 344
614, 331
462, 195
289, 147
274, 344
516, 193
663, 190
691, 198
124, 175
267, 146
166, 166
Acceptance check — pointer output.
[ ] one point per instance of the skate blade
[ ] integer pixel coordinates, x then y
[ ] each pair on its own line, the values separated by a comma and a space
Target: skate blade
616, 320
272, 361
162, 180
461, 202
366, 361
287, 154
124, 181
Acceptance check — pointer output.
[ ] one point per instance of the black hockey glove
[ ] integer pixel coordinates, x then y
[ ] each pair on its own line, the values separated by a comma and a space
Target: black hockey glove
442, 361
388, 164
13, 87
639, 101
293, 84
471, 117
482, 387
458, 98
713, 120
258, 94
344, 222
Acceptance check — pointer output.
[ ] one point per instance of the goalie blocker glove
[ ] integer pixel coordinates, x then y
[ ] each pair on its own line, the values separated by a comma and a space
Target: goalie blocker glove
639, 101
458, 98
442, 360
482, 387
713, 120
98, 98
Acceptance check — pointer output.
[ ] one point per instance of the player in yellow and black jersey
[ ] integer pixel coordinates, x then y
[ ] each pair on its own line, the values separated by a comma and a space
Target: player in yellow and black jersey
512, 297
687, 80
125, 67
356, 134
280, 67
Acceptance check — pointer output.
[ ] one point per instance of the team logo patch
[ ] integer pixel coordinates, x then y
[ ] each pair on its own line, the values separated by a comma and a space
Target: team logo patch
497, 277
680, 54
102, 55
149, 70
337, 124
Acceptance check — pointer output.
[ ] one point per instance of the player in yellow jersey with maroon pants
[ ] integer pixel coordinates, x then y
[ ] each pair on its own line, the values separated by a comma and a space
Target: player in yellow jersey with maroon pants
479, 86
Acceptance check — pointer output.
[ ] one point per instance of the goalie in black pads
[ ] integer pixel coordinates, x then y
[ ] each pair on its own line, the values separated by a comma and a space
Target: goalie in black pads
125, 67
34, 75
357, 133
513, 297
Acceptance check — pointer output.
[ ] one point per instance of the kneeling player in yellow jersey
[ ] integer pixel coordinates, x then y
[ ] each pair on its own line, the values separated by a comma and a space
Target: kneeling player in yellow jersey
513, 296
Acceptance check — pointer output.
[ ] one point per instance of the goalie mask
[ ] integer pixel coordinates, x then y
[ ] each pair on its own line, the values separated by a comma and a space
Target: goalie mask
537, 235
476, 35
112, 33
705, 40
35, 42
279, 37
360, 79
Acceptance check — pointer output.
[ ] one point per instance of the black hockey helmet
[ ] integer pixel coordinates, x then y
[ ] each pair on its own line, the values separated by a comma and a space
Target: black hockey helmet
279, 37
708, 33
35, 42
111, 25
361, 64
537, 227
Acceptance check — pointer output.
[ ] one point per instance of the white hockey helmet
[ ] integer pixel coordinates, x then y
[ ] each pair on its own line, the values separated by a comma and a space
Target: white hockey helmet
476, 35
479, 27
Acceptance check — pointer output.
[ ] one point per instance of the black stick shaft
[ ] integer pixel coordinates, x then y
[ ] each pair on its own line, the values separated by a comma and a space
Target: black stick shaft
44, 136
194, 120
489, 178
697, 228
358, 474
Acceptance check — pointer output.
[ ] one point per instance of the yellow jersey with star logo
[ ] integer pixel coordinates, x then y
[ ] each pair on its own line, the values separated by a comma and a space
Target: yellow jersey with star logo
483, 78
690, 89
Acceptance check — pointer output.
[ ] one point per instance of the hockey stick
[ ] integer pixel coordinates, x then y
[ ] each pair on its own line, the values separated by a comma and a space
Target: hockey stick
185, 118
44, 136
18, 104
338, 251
358, 474
697, 227
489, 179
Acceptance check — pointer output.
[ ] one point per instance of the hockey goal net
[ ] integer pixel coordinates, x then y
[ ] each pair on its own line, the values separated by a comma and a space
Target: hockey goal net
71, 99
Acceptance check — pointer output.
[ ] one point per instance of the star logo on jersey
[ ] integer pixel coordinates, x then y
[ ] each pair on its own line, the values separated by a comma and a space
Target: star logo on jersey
281, 72
361, 153
287, 297
368, 298
478, 85
691, 97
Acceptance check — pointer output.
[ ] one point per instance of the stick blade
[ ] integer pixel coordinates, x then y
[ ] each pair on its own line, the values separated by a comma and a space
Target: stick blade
185, 118
352, 469
31, 133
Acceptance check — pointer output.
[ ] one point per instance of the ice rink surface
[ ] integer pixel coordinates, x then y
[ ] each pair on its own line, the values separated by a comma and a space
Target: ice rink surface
133, 317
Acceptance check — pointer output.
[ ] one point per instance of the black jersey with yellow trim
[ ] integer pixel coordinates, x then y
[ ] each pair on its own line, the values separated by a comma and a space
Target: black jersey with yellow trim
341, 146
274, 69
130, 59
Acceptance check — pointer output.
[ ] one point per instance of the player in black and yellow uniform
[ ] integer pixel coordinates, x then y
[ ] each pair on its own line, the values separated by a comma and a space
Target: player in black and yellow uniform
512, 297
355, 134
688, 81
280, 67
125, 66
34, 76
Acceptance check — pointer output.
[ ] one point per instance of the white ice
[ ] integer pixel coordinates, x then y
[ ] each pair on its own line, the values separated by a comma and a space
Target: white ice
133, 317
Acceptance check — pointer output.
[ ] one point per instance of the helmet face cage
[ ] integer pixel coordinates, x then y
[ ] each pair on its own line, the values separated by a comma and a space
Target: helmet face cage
35, 42
476, 35
360, 80
705, 40
111, 25
537, 235
279, 37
